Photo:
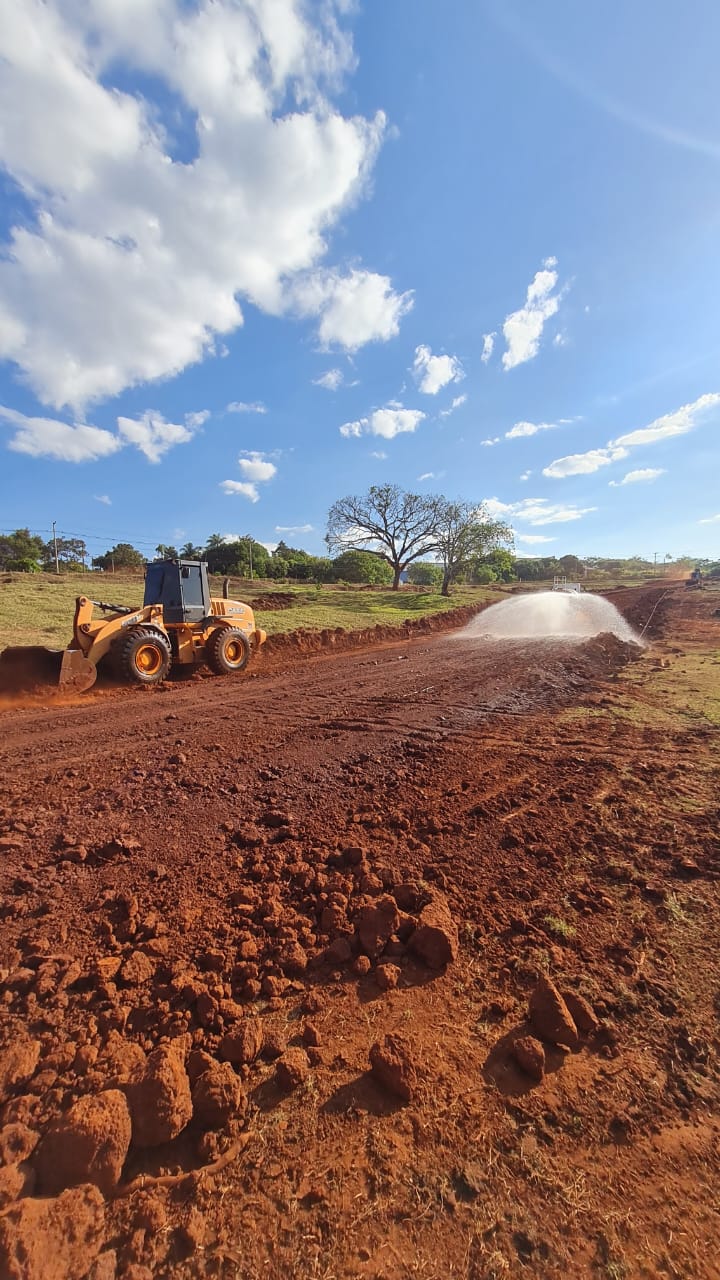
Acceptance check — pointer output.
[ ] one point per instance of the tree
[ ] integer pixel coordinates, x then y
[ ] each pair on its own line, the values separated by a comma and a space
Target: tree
466, 533
425, 574
71, 553
360, 566
121, 556
501, 562
190, 552
395, 526
165, 552
21, 551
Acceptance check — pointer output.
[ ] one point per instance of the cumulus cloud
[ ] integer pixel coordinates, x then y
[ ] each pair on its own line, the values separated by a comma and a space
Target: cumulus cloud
330, 380
491, 440
677, 423
644, 475
242, 488
294, 528
523, 329
388, 423
432, 373
426, 475
154, 436
456, 403
158, 212
242, 406
710, 519
526, 475
103, 497
378, 453
48, 438
488, 346
354, 308
536, 511
533, 539
255, 466
256, 469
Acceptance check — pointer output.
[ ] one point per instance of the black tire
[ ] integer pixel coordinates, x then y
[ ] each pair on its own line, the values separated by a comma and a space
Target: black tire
227, 651
143, 656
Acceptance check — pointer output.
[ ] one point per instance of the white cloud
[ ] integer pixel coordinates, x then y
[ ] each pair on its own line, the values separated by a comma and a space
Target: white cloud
241, 488
48, 438
153, 436
330, 380
354, 308
388, 423
103, 497
642, 476
677, 423
426, 475
254, 466
560, 340
432, 373
149, 236
533, 538
456, 403
294, 528
240, 406
526, 475
523, 329
378, 453
584, 464
522, 429
491, 440
488, 346
536, 511
710, 519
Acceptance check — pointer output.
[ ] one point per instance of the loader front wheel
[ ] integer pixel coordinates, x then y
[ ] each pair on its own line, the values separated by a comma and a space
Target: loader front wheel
142, 656
227, 651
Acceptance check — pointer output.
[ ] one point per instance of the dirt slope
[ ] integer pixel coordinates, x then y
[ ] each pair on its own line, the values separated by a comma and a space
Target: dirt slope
218, 897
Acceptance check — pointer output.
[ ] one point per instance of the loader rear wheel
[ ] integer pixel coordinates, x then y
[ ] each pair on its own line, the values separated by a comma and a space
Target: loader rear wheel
227, 651
142, 656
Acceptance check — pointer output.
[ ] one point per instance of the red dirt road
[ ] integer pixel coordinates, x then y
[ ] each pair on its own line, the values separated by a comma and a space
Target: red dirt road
200, 874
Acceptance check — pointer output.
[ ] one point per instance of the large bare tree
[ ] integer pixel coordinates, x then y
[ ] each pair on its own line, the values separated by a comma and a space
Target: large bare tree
398, 527
464, 531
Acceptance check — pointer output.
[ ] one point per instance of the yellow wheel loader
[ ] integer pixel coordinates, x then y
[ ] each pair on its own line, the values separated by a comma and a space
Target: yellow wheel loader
178, 625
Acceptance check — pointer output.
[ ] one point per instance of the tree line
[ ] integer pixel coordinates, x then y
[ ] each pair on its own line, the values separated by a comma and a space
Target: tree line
382, 538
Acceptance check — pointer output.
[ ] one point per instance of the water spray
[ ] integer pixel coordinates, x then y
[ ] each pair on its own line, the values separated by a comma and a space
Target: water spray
548, 614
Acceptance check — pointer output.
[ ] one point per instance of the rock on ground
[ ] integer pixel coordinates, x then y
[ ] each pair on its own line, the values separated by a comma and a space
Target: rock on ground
550, 1016
52, 1239
436, 938
530, 1057
392, 1066
218, 1096
88, 1145
160, 1101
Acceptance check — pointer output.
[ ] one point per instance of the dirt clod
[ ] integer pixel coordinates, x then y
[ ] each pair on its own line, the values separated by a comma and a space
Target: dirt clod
375, 925
52, 1239
550, 1016
88, 1145
393, 1067
436, 938
160, 1101
292, 1069
582, 1013
18, 1062
387, 976
244, 1043
218, 1096
530, 1057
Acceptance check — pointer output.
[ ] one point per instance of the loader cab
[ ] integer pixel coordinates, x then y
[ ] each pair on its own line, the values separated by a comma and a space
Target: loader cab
181, 587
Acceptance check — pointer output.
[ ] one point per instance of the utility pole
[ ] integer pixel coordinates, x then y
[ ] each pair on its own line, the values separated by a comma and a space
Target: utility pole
250, 542
57, 563
654, 564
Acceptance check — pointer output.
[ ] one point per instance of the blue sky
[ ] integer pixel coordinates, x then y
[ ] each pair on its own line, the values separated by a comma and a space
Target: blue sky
259, 254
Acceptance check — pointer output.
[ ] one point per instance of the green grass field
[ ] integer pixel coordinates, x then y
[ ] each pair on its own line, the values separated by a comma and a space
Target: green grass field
38, 608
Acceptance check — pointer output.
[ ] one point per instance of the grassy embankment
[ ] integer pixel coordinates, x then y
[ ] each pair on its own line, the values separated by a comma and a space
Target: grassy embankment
38, 608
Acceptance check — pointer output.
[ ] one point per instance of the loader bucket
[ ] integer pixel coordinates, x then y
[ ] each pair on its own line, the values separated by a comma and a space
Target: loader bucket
24, 668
